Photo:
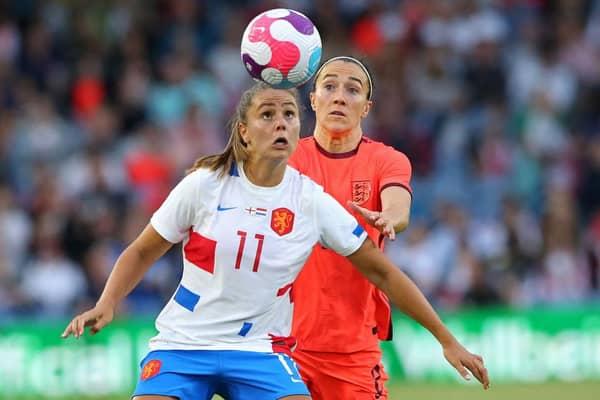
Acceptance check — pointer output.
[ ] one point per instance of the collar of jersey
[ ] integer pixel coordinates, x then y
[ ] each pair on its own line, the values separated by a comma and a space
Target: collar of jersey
346, 154
270, 189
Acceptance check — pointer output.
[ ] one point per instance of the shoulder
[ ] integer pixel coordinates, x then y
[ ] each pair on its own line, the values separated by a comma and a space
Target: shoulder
301, 181
304, 147
201, 180
303, 188
306, 141
382, 150
377, 146
201, 175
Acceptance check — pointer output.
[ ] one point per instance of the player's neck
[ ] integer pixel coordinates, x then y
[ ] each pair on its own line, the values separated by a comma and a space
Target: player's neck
263, 173
335, 143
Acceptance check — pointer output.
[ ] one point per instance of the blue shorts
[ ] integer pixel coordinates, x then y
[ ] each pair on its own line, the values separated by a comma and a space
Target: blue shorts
234, 375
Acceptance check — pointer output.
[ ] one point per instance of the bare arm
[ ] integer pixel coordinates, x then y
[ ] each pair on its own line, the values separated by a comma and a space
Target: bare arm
128, 271
405, 295
395, 211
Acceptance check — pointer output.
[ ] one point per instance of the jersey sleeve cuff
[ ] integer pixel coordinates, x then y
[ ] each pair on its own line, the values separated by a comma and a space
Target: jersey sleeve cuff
173, 237
361, 236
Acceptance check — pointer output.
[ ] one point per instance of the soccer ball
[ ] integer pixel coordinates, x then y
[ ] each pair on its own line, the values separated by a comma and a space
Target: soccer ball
281, 47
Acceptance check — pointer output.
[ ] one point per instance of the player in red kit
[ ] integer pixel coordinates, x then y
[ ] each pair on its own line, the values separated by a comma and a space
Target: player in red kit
339, 316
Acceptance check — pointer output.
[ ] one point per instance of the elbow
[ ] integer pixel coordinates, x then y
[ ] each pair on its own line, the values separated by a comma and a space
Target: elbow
401, 225
370, 261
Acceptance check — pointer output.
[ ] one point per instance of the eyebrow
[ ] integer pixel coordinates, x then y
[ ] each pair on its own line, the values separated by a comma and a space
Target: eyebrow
336, 76
287, 103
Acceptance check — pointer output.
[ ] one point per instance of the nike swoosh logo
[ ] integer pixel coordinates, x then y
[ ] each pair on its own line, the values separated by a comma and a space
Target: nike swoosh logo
219, 208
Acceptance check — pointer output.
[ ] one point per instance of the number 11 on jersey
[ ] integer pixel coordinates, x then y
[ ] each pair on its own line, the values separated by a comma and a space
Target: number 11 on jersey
240, 252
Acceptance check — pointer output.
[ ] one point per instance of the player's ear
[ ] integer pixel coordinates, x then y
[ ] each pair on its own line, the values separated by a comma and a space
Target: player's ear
366, 109
243, 130
312, 101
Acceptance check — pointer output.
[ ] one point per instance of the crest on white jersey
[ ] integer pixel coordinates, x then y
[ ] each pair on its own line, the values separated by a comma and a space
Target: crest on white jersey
282, 221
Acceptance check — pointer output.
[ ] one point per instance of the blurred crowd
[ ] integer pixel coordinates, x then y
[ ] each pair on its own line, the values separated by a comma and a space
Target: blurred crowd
103, 105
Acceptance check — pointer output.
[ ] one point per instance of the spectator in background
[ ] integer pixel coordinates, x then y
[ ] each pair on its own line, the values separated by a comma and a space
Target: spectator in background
51, 283
423, 261
149, 169
197, 134
589, 190
16, 232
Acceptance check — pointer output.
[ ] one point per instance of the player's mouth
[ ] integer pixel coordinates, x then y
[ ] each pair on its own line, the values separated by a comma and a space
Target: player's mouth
280, 143
337, 114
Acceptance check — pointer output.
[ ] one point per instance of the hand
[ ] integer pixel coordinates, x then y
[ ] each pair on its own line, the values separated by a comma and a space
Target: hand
376, 219
462, 360
98, 317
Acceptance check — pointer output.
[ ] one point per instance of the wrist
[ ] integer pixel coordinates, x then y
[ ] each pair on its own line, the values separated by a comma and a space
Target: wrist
444, 337
106, 302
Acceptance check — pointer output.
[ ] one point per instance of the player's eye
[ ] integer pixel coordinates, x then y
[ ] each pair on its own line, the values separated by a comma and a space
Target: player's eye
329, 86
354, 90
290, 114
267, 115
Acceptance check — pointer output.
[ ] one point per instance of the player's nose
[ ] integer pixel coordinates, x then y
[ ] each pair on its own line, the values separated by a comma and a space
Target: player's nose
338, 97
281, 123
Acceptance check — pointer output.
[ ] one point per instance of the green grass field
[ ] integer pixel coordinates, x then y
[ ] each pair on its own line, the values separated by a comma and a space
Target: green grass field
413, 391
543, 391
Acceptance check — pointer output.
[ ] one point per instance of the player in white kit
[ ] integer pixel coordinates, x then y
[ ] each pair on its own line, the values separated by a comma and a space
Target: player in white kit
247, 222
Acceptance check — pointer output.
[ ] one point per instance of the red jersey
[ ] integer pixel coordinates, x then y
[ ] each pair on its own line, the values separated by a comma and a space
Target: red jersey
336, 309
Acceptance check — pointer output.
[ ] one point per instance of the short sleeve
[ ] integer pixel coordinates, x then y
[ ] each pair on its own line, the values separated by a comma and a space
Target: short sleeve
394, 169
338, 229
176, 214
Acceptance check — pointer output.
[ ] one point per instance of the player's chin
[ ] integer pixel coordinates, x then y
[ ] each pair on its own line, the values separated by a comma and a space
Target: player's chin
281, 150
280, 155
339, 128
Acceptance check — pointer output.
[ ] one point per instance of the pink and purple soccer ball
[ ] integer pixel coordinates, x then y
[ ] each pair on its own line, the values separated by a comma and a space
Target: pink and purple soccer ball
281, 47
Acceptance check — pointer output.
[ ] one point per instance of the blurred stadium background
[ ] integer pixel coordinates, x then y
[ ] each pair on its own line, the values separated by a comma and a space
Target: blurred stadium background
496, 102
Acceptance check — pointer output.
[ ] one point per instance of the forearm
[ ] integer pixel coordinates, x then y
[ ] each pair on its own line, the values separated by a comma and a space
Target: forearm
405, 295
127, 272
132, 264
395, 207
400, 289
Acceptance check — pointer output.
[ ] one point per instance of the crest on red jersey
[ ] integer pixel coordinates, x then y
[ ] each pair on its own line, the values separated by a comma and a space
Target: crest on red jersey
361, 191
151, 368
282, 221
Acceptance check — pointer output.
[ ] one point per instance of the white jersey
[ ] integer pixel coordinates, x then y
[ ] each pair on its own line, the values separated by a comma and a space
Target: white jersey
243, 246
